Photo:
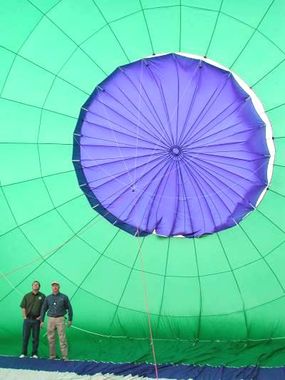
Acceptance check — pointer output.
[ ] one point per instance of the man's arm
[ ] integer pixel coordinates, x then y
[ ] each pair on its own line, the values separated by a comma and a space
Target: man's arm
69, 310
44, 310
24, 313
43, 299
23, 305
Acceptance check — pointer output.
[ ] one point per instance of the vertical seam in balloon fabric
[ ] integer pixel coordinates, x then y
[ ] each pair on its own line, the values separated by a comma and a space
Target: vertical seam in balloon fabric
271, 221
252, 27
267, 73
41, 67
55, 208
148, 315
6, 278
26, 237
38, 107
41, 108
16, 54
253, 33
21, 46
36, 179
147, 28
40, 215
118, 307
238, 287
118, 303
275, 107
39, 152
263, 258
111, 29
164, 281
63, 32
34, 143
95, 263
274, 191
75, 234
54, 251
214, 29
200, 294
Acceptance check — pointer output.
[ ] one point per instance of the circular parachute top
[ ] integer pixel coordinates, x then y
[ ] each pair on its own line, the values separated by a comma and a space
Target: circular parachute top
165, 145
66, 85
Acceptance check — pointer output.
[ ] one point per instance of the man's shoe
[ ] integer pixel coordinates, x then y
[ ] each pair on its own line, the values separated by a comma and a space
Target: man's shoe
35, 356
22, 356
64, 358
52, 357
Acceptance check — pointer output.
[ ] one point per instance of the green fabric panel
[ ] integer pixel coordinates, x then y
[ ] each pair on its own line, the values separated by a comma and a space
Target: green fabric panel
103, 49
22, 195
115, 10
72, 70
7, 221
214, 300
225, 49
163, 24
198, 23
84, 15
57, 46
273, 26
23, 162
247, 12
30, 88
11, 19
10, 132
134, 48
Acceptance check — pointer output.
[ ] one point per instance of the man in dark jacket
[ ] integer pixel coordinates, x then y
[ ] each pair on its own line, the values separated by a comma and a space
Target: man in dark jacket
56, 305
31, 307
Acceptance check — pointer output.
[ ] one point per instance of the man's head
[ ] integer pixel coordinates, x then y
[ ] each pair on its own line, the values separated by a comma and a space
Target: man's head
55, 287
36, 286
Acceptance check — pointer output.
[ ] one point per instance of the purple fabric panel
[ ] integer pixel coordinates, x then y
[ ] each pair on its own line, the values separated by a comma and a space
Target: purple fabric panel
173, 145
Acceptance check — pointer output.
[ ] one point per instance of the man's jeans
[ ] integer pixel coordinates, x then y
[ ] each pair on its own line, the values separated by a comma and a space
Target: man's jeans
28, 326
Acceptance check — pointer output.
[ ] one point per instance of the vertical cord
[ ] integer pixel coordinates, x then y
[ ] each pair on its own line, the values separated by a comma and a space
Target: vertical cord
148, 312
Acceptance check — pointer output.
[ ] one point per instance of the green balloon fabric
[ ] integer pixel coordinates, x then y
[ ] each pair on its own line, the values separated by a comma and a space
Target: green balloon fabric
217, 300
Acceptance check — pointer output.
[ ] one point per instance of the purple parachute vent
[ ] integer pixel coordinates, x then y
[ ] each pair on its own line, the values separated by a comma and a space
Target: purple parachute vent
171, 145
